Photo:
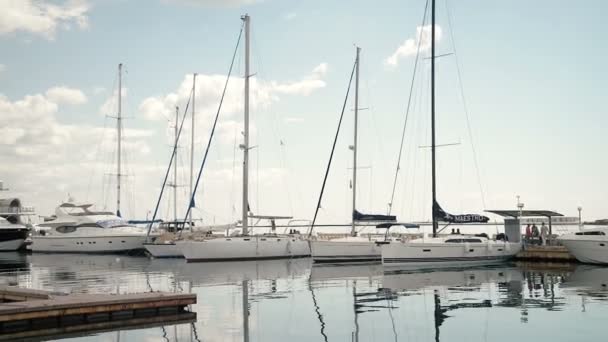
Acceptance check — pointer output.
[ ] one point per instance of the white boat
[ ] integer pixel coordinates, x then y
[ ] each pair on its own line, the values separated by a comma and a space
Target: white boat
246, 246
251, 247
351, 248
77, 229
453, 249
447, 251
13, 231
588, 246
346, 249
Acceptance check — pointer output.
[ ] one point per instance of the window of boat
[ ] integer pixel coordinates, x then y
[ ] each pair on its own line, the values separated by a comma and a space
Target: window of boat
112, 223
591, 233
66, 229
463, 240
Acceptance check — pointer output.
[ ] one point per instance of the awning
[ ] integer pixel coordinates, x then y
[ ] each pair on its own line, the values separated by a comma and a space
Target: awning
525, 213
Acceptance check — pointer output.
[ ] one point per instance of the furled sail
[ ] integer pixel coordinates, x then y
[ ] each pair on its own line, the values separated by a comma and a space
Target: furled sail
441, 215
357, 216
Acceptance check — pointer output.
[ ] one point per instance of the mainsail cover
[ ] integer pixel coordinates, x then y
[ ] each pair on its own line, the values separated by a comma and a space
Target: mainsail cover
357, 216
442, 216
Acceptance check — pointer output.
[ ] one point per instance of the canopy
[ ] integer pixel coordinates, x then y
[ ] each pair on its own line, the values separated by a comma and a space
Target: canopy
393, 224
440, 215
357, 216
524, 213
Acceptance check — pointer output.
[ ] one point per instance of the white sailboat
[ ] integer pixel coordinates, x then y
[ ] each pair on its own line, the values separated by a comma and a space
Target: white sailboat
352, 248
246, 246
166, 248
589, 245
454, 249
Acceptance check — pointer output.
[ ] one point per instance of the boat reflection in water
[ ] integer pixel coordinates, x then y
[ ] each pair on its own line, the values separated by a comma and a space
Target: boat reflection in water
278, 300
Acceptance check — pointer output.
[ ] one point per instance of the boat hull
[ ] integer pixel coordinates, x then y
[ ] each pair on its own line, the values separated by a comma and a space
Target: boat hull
593, 251
87, 244
11, 245
244, 248
420, 255
345, 251
164, 250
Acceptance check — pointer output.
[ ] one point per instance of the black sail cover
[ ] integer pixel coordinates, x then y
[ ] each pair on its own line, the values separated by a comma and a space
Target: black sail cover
357, 216
441, 215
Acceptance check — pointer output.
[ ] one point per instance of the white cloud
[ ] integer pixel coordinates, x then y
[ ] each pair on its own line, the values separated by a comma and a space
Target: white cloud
289, 16
98, 90
410, 46
214, 3
209, 89
42, 17
293, 120
110, 106
65, 95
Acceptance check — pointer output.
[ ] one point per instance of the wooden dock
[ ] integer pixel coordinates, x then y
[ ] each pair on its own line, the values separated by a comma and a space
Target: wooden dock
27, 313
545, 254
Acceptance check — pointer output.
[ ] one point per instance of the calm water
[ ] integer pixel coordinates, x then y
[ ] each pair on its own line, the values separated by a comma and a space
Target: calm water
295, 301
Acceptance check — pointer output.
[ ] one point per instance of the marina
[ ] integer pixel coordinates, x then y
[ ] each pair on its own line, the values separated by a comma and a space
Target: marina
320, 171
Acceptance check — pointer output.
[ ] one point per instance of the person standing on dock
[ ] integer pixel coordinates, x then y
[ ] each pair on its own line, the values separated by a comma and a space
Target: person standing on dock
528, 233
544, 233
535, 232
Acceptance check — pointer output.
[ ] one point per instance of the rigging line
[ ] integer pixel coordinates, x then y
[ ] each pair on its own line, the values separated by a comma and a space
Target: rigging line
333, 148
407, 111
99, 143
217, 116
464, 104
162, 189
317, 310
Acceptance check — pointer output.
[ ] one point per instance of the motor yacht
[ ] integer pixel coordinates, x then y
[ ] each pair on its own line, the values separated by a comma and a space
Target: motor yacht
75, 228
13, 230
588, 246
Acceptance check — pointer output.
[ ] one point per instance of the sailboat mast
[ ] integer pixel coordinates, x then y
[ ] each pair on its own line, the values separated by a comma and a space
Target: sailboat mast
245, 207
175, 168
433, 147
192, 149
119, 136
353, 231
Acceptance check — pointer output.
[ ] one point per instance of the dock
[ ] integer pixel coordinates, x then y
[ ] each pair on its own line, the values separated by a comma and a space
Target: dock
555, 254
26, 313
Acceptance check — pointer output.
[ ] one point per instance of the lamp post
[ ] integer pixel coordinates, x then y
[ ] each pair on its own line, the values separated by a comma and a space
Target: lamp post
580, 221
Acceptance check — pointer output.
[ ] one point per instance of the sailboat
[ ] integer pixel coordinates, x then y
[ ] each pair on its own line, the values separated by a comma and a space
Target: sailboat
246, 246
352, 248
166, 248
452, 249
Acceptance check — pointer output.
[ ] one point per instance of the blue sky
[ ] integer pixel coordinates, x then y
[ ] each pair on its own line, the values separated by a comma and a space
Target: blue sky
532, 75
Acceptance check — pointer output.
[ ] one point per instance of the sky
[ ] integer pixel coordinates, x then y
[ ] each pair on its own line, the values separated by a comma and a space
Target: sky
519, 94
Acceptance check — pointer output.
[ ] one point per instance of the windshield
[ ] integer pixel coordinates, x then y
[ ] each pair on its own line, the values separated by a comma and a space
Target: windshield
112, 223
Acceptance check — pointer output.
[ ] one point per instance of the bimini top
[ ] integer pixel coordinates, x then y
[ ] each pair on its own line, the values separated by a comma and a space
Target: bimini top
525, 213
388, 225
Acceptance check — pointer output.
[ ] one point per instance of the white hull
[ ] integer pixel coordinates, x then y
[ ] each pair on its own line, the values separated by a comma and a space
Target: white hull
87, 244
440, 254
345, 250
11, 245
164, 250
245, 248
593, 251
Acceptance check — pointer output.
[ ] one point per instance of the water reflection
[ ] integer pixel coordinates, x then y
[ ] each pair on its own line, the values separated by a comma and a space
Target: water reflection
293, 300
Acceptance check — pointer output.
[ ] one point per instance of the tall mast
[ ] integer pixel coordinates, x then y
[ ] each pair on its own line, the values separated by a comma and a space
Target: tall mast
191, 204
175, 168
433, 166
245, 146
119, 134
353, 231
